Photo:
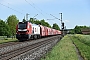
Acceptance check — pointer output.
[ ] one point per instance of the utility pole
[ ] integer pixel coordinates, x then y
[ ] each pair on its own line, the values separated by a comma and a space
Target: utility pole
61, 19
62, 25
27, 16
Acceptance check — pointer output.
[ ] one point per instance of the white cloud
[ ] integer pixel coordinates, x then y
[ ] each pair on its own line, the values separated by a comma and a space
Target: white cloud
67, 21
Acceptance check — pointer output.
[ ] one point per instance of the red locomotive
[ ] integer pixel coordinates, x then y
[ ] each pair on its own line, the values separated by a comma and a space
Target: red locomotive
27, 30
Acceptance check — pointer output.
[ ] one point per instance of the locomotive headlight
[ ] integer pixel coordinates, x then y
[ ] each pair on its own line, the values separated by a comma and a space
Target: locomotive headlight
17, 31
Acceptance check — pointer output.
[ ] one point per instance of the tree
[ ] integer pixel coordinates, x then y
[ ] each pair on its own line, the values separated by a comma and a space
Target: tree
55, 26
78, 29
24, 20
41, 22
37, 22
45, 23
32, 20
4, 29
12, 22
72, 31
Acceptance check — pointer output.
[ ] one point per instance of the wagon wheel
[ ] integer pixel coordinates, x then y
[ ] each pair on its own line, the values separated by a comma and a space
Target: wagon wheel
35, 37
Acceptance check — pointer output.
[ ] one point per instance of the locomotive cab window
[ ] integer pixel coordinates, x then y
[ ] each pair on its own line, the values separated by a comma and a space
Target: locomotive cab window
22, 26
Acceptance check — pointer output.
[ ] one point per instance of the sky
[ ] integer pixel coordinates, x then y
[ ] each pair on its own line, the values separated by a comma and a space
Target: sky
74, 12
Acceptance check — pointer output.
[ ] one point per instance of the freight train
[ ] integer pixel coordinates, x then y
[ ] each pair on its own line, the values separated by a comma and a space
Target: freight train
27, 30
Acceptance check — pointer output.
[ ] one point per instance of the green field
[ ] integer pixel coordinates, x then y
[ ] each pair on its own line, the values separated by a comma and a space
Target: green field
8, 40
83, 44
64, 50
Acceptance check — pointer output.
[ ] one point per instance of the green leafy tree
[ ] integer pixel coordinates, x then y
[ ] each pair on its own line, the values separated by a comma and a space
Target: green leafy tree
37, 22
45, 23
78, 29
41, 22
12, 22
72, 31
4, 29
32, 20
24, 20
55, 26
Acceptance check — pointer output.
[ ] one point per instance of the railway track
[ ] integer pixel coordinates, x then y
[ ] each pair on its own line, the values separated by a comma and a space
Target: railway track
9, 47
25, 49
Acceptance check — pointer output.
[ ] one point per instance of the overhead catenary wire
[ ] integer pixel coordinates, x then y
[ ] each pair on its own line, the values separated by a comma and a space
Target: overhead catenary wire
11, 8
35, 15
17, 8
35, 8
43, 11
54, 17
39, 8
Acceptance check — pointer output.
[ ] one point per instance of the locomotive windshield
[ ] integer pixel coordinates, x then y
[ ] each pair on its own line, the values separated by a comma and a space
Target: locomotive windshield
22, 26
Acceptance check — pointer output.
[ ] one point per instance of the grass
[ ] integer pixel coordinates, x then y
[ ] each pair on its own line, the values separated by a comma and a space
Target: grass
82, 42
64, 50
7, 40
83, 38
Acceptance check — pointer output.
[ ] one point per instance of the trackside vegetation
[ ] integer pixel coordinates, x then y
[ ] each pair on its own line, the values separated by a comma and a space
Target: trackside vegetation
83, 44
8, 40
64, 50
